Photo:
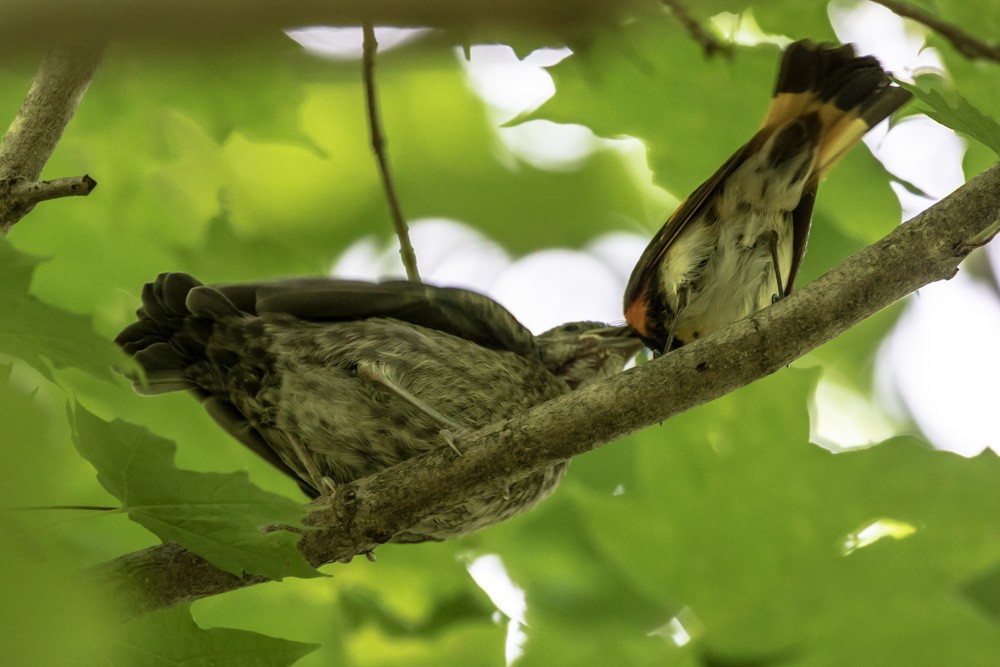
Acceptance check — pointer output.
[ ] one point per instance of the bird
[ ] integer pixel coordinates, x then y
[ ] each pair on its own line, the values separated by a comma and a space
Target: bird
332, 380
735, 244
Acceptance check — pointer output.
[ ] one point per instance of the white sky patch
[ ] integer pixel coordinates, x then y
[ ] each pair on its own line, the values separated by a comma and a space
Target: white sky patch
512, 87
898, 44
347, 43
542, 289
680, 629
841, 418
449, 253
550, 287
876, 531
509, 85
490, 575
942, 361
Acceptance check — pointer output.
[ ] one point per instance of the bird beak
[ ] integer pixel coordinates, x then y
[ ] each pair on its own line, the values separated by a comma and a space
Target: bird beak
622, 336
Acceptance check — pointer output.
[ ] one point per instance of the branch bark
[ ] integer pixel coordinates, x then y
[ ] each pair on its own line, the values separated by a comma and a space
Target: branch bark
59, 85
26, 23
367, 512
964, 43
709, 44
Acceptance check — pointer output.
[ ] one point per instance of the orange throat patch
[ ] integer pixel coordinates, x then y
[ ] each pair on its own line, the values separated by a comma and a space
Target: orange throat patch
636, 315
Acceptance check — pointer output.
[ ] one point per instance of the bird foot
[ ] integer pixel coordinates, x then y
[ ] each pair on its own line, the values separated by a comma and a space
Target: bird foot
449, 438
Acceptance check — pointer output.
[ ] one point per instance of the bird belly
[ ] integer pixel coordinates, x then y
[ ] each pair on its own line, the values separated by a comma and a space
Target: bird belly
737, 276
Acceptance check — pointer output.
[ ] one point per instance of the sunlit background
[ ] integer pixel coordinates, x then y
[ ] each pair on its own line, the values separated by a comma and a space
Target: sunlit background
937, 367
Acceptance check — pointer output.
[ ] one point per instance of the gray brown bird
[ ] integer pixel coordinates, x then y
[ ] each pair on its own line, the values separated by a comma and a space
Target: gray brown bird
735, 245
332, 380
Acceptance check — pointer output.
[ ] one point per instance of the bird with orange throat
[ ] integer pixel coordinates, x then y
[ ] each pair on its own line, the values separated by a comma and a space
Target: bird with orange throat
735, 245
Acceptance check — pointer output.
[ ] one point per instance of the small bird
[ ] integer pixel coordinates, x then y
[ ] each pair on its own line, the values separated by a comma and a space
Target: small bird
735, 245
332, 380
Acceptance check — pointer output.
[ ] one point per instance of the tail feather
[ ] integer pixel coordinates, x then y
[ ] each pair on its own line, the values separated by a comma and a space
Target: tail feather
175, 323
850, 94
203, 301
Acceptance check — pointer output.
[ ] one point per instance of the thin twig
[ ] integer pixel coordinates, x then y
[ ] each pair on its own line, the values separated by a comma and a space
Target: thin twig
964, 43
709, 44
368, 511
378, 145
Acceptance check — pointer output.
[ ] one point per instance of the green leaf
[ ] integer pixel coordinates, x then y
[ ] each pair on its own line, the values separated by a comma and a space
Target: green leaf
171, 637
984, 590
40, 334
39, 566
218, 516
956, 112
777, 547
186, 81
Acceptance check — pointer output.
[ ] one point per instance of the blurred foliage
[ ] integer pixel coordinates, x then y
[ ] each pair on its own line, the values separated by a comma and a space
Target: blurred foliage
977, 81
954, 111
720, 538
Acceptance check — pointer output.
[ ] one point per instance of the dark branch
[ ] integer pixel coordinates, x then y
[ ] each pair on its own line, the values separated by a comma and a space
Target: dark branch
211, 25
378, 145
964, 43
709, 44
60, 83
370, 510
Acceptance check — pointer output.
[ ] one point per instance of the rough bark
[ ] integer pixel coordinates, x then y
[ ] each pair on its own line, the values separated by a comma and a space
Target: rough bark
59, 85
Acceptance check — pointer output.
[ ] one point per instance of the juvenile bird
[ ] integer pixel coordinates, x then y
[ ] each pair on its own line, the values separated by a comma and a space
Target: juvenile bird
735, 245
332, 380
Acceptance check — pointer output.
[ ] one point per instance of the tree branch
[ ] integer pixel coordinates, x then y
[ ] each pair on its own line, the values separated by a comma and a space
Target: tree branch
709, 44
370, 510
26, 23
964, 43
60, 83
378, 146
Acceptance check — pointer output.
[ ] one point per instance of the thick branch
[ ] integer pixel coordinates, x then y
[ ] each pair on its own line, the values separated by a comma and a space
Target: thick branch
370, 510
203, 24
964, 43
60, 83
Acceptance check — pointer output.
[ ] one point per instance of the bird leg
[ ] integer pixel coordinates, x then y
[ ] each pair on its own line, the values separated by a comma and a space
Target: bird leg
771, 239
682, 300
324, 485
230, 419
377, 373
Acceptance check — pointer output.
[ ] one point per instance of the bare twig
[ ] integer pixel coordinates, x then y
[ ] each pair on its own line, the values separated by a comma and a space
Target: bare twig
370, 510
709, 44
378, 145
60, 83
20, 195
964, 43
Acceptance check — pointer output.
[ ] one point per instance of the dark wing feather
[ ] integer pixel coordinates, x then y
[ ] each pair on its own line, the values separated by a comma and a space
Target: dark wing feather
455, 311
801, 223
645, 270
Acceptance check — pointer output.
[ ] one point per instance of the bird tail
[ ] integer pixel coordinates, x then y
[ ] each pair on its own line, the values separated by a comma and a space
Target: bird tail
849, 94
176, 320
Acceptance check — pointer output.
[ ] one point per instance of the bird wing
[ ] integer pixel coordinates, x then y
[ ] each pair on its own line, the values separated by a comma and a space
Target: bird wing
455, 311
